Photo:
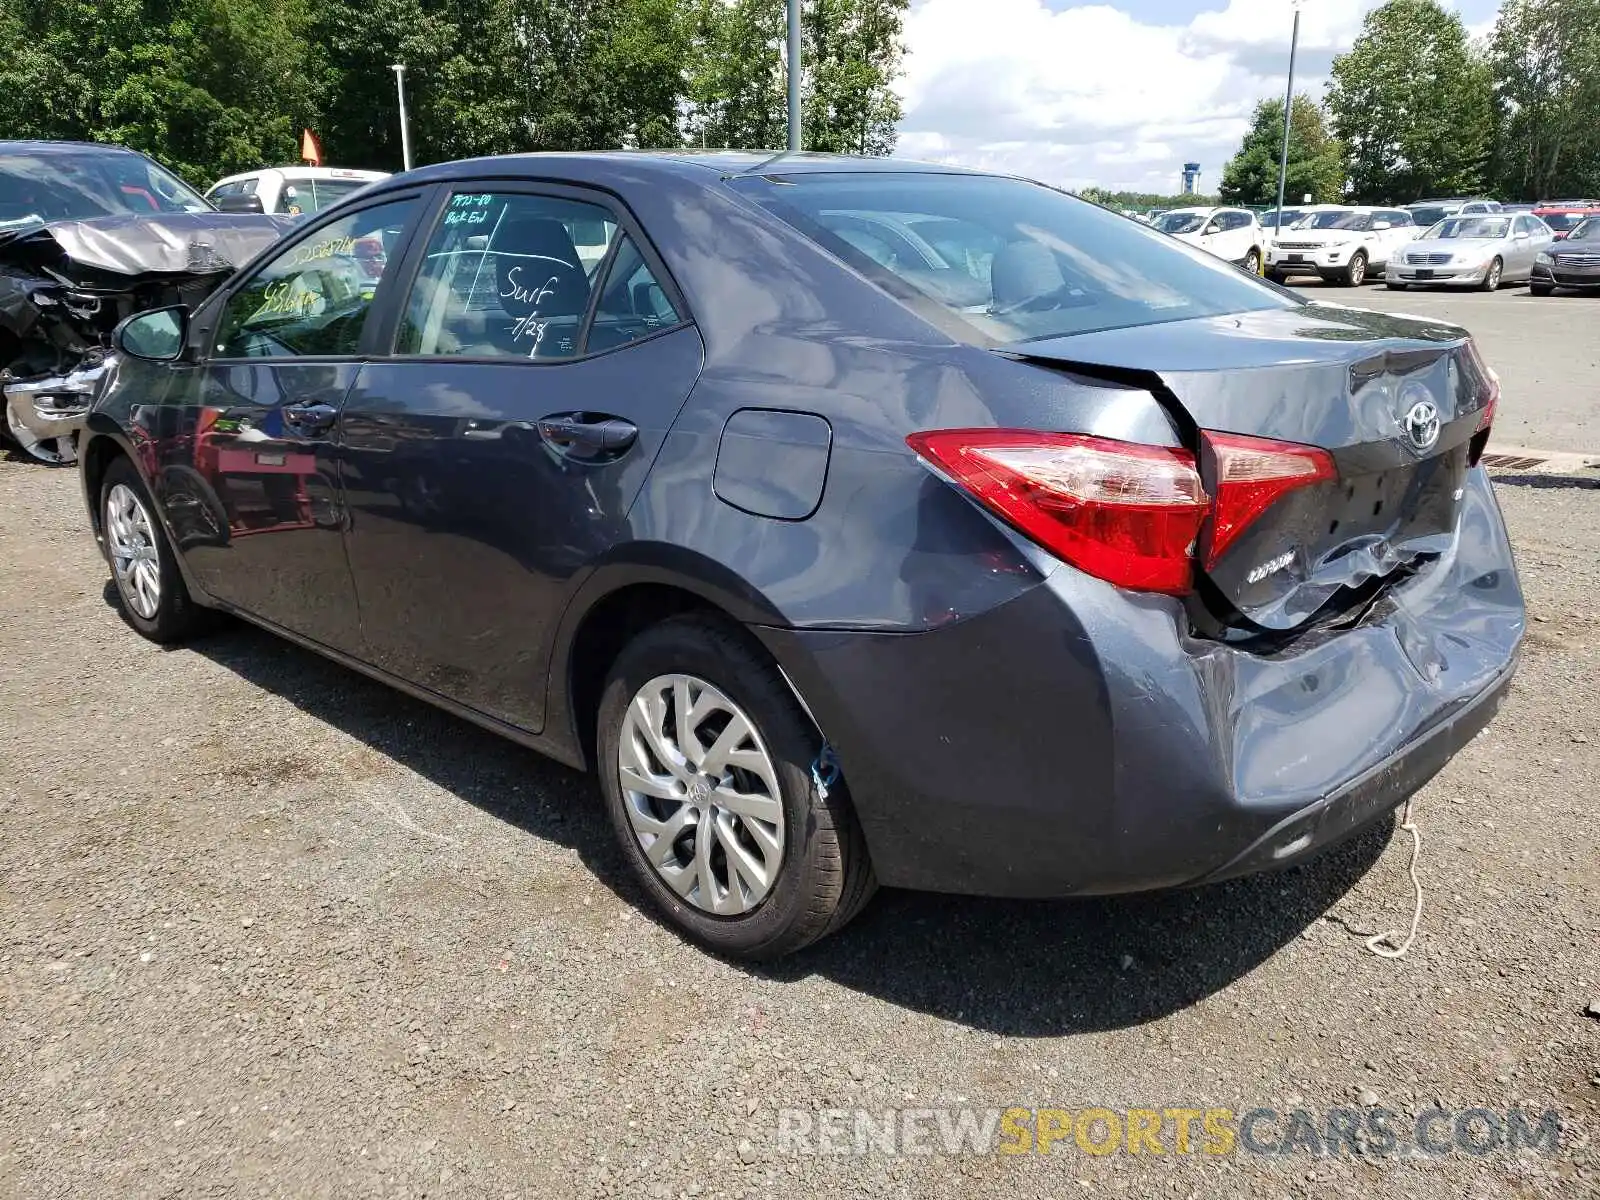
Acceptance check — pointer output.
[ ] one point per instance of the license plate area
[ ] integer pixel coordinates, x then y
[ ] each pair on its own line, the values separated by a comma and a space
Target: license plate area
1424, 273
1297, 258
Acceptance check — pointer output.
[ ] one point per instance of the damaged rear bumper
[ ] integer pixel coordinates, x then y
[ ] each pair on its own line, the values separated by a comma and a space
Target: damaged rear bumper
1081, 740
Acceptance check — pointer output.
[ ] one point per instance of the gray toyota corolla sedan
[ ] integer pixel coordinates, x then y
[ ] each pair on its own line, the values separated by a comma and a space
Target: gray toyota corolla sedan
856, 521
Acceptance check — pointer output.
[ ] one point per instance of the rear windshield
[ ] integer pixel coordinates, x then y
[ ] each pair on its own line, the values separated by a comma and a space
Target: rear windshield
1470, 227
1290, 216
1013, 260
61, 186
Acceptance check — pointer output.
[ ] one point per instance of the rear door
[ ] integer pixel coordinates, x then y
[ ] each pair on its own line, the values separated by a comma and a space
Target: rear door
538, 359
255, 485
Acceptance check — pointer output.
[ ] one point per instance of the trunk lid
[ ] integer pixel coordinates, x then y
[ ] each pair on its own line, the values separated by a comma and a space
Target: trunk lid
1395, 401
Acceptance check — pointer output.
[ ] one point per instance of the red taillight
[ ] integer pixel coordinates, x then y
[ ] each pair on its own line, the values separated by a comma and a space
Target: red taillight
1252, 474
1122, 511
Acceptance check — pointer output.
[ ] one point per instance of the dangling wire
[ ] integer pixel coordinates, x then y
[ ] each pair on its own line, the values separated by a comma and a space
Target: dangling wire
1396, 949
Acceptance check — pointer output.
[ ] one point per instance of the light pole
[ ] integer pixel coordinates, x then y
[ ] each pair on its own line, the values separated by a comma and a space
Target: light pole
1288, 110
399, 70
794, 76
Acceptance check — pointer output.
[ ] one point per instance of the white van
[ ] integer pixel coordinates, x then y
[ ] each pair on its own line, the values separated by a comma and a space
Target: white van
292, 191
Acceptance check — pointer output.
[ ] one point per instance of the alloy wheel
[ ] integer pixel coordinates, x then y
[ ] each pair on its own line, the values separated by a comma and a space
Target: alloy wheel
1358, 269
135, 561
57, 451
1492, 281
701, 793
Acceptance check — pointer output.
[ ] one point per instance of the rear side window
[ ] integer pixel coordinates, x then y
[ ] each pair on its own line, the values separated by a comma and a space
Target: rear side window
506, 275
1010, 260
632, 303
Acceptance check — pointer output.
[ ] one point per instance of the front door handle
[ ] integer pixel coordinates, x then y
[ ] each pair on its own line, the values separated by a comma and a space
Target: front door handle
309, 418
588, 434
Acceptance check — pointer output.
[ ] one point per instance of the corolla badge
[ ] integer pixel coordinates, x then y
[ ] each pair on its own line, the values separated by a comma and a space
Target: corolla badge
1422, 425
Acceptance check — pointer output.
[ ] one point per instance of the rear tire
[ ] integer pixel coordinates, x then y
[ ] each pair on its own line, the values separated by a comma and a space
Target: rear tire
150, 589
1252, 262
1491, 277
803, 864
1355, 271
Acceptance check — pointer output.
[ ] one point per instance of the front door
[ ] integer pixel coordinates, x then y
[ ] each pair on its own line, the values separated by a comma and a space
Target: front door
539, 359
254, 492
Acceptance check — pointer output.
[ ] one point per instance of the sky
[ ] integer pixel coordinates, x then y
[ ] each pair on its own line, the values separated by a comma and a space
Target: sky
1118, 94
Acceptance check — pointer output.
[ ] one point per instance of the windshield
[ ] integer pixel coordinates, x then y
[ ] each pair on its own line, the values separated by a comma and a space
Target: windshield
1269, 220
1561, 222
1337, 220
302, 196
1470, 227
1589, 227
58, 186
1007, 259
1430, 214
1176, 222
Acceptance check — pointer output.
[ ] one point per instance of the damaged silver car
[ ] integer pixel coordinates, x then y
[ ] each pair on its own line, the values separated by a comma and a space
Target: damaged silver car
90, 234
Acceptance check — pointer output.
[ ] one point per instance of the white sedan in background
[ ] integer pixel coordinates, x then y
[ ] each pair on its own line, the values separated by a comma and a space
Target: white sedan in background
1341, 243
1230, 233
1479, 251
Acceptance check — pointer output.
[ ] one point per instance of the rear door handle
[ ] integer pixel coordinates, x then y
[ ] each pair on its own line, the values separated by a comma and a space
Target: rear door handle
587, 433
310, 417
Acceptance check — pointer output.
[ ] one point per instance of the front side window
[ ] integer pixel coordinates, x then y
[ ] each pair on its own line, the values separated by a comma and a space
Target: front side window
314, 297
1014, 260
506, 275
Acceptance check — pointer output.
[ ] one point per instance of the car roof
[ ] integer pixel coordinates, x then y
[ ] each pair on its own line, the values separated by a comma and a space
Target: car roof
724, 163
306, 173
26, 146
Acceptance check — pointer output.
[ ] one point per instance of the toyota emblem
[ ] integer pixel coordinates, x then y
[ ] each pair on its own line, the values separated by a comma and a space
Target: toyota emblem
1422, 425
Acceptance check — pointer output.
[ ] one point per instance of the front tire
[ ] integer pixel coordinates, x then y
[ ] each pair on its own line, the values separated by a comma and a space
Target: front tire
1540, 289
1355, 271
1252, 262
1491, 277
705, 762
144, 568
1394, 285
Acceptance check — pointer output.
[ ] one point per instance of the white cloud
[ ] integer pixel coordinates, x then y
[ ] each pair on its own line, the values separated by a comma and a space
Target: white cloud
1090, 95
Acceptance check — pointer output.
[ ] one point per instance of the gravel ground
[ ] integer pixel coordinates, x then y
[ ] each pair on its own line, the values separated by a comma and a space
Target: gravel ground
267, 928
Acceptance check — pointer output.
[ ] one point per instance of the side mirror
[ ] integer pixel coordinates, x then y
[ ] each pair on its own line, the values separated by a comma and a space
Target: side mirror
156, 336
239, 204
1213, 227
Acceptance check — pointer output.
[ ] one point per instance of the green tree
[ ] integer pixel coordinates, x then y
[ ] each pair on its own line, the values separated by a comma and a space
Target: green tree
737, 85
1315, 160
851, 52
1411, 102
1545, 56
